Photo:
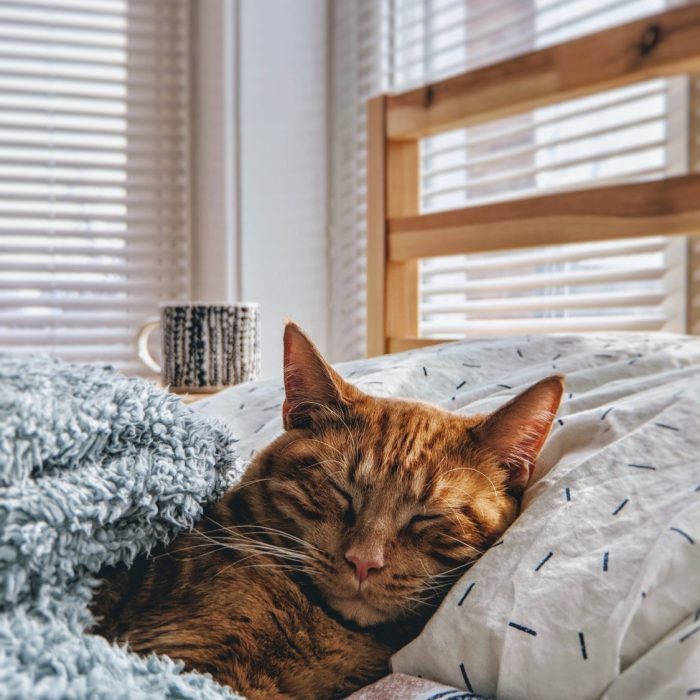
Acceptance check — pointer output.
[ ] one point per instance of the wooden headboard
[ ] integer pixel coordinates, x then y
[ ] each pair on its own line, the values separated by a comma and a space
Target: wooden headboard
399, 235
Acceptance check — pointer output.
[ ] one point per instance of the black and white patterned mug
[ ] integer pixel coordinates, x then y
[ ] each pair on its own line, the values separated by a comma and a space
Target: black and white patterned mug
204, 347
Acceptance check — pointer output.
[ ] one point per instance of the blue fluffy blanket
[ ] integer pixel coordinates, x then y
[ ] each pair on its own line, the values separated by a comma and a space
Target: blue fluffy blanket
95, 468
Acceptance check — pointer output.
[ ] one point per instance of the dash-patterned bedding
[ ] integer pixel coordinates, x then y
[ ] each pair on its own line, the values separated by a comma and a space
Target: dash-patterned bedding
595, 590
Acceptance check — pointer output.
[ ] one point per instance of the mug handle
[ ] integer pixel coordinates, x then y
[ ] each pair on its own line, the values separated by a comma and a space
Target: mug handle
142, 344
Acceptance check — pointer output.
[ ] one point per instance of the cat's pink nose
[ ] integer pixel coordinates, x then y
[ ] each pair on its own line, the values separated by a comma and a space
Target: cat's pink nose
364, 565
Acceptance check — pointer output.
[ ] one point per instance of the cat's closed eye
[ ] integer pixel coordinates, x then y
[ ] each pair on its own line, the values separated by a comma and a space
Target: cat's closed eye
423, 517
349, 503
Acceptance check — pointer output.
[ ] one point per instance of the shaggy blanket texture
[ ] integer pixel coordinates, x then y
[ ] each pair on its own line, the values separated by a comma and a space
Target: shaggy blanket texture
95, 469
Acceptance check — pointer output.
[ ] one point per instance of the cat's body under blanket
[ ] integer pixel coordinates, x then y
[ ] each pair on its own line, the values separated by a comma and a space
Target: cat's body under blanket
243, 620
343, 534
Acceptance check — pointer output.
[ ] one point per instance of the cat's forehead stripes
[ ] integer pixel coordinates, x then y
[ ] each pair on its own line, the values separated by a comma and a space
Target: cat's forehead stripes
416, 455
403, 436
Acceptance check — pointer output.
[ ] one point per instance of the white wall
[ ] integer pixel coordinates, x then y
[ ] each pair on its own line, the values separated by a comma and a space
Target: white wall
215, 161
283, 163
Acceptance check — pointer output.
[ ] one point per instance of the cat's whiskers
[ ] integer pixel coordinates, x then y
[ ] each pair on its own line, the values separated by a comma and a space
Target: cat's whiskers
463, 543
244, 543
323, 566
265, 549
241, 541
236, 564
254, 528
324, 461
448, 577
418, 602
325, 556
421, 581
257, 546
438, 587
244, 484
215, 546
212, 547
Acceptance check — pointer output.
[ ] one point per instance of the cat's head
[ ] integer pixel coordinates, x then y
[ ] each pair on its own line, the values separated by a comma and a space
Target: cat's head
385, 500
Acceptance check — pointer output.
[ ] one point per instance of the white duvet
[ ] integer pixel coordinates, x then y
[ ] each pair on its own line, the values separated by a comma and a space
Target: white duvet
594, 592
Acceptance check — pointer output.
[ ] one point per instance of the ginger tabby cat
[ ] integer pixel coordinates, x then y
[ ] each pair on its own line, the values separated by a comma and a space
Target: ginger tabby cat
339, 541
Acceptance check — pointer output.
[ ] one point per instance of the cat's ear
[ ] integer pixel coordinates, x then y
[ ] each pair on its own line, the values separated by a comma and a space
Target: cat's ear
517, 431
310, 383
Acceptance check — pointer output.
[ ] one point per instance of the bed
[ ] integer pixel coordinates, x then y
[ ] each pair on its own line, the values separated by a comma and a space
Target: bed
593, 592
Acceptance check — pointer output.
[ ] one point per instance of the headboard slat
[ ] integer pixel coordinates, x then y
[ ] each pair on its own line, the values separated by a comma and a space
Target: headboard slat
651, 47
670, 207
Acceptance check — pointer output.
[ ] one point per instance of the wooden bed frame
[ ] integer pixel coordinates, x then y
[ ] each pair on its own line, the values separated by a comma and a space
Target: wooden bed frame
399, 236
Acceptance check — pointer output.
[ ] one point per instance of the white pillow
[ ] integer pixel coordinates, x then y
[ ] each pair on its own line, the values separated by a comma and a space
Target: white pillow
595, 589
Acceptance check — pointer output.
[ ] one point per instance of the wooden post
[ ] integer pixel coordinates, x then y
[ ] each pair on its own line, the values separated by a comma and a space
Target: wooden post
393, 189
692, 305
376, 225
402, 278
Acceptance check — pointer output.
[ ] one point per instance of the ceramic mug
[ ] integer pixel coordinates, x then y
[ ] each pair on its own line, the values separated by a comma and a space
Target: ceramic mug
205, 347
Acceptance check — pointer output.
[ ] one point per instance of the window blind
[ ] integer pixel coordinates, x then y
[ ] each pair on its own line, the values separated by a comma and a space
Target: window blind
617, 136
94, 185
634, 133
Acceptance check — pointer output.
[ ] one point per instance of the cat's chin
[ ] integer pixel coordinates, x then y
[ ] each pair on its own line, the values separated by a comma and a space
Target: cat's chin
358, 611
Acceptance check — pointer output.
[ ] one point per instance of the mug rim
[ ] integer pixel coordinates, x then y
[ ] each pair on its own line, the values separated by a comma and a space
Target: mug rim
237, 304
